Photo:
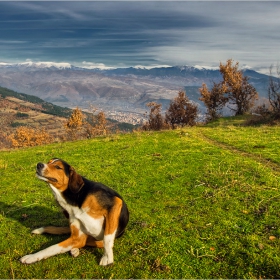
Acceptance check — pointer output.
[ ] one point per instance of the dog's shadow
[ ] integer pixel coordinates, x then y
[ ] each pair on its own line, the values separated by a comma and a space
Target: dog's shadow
35, 216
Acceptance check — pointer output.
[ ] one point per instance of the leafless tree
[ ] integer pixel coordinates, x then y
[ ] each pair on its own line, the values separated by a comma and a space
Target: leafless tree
274, 91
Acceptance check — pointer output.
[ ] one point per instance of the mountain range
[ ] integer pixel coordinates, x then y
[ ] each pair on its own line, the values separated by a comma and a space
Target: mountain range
119, 89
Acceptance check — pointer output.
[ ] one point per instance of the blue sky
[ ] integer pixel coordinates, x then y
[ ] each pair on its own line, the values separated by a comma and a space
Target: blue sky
147, 33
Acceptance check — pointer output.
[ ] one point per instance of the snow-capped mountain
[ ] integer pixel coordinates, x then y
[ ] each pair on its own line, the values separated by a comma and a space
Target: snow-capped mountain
118, 88
38, 65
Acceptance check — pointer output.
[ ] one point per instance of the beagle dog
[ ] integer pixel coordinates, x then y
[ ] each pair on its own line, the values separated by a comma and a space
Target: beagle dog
97, 214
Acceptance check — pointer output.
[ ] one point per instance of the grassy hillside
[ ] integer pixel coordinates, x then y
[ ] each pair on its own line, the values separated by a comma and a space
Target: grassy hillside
18, 109
204, 203
44, 107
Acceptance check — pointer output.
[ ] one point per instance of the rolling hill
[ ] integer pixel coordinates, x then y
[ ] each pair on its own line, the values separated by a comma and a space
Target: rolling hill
19, 109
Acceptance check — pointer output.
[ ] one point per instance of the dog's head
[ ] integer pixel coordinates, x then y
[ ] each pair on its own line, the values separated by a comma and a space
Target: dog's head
60, 174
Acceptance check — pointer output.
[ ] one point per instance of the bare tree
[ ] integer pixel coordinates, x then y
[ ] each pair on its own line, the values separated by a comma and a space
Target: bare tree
274, 91
181, 111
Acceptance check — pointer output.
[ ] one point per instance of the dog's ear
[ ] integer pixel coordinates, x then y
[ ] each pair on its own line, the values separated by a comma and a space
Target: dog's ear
75, 181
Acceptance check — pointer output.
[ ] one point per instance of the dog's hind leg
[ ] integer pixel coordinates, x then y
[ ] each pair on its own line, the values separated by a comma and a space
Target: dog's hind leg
76, 240
52, 230
91, 241
111, 226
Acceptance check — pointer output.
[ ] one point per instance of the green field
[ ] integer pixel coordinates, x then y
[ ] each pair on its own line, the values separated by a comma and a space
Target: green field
204, 203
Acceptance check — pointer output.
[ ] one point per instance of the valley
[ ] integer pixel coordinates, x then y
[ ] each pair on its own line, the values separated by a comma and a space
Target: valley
121, 93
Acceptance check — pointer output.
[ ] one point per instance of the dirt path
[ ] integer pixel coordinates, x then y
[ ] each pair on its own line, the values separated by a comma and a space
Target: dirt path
266, 162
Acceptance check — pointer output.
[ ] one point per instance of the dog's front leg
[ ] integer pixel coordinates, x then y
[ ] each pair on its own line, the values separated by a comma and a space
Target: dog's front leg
112, 222
44, 254
76, 240
108, 256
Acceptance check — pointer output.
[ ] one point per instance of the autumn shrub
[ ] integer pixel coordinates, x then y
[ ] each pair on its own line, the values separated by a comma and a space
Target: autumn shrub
214, 100
97, 126
239, 92
181, 111
155, 118
263, 114
4, 140
81, 126
27, 137
75, 124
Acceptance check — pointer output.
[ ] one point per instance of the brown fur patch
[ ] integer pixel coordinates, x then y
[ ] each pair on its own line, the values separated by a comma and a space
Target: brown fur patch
95, 210
91, 241
112, 219
77, 239
56, 230
55, 170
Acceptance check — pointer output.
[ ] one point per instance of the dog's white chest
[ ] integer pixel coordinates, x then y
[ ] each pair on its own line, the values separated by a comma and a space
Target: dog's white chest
89, 225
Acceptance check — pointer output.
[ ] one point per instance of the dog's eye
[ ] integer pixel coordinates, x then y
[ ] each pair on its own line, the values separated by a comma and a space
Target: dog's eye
57, 167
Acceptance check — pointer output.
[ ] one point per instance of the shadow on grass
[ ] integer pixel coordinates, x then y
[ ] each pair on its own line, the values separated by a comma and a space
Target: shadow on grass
33, 215
36, 216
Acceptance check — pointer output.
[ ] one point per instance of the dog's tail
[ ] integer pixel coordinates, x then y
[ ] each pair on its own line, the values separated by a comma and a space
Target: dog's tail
52, 230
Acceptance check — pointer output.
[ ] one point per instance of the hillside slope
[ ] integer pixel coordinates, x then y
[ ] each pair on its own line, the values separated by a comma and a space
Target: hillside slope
203, 201
19, 109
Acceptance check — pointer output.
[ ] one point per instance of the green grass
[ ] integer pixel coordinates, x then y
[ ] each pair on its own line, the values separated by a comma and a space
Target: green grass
203, 201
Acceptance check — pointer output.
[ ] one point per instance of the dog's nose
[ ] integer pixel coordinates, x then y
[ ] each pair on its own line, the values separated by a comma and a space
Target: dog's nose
40, 165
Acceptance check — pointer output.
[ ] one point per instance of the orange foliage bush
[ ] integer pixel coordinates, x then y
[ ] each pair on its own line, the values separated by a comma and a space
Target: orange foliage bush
213, 99
99, 127
27, 137
156, 120
76, 119
239, 92
80, 126
181, 111
75, 124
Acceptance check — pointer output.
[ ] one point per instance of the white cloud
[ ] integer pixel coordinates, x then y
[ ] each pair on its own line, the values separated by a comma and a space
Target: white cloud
92, 65
4, 64
151, 66
146, 34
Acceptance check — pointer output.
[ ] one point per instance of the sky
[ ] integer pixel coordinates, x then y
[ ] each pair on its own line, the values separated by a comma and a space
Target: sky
141, 33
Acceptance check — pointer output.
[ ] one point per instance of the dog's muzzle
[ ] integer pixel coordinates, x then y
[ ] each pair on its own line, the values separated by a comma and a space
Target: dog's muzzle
40, 166
39, 169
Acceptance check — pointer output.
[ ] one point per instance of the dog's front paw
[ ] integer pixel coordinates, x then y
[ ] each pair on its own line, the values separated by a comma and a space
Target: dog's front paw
38, 230
75, 252
106, 260
28, 259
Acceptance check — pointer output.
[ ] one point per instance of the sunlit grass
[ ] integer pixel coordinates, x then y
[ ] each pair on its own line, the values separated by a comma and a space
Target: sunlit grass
198, 209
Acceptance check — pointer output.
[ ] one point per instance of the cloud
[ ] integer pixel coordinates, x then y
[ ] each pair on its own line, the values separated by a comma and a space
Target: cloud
141, 32
92, 65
